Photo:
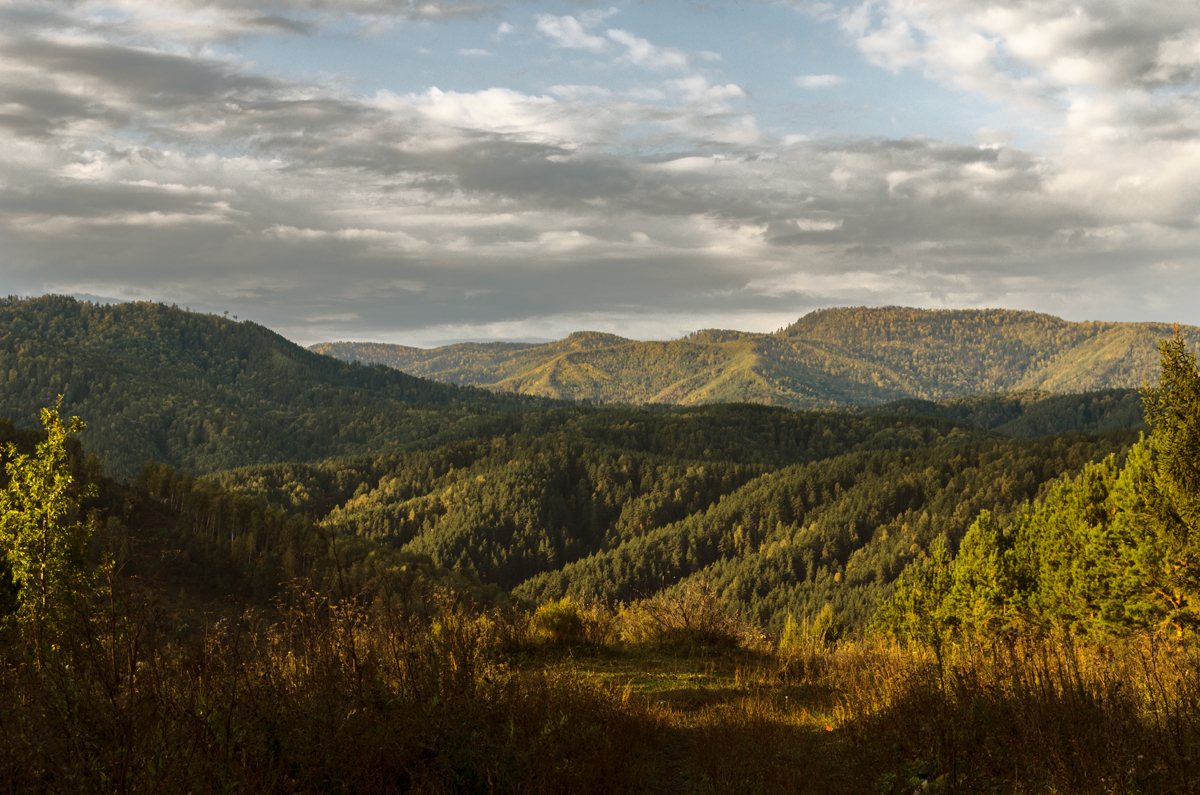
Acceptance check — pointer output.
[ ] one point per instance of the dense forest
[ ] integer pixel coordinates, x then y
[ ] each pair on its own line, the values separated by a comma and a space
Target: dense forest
1030, 414
311, 575
204, 392
781, 511
832, 357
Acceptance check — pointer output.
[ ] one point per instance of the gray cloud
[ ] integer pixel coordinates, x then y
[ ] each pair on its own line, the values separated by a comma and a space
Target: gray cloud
172, 174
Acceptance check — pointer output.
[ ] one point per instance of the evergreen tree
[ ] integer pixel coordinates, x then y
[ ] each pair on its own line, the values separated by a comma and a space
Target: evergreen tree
1113, 550
1172, 494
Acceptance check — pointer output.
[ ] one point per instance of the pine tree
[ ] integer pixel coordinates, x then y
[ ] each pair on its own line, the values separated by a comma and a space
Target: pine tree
1173, 493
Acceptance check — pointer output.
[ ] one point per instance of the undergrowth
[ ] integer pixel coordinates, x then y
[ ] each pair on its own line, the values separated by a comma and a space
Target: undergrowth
410, 688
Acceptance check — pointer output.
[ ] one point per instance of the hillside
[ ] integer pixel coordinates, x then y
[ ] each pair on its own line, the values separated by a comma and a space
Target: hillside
1029, 414
854, 356
204, 392
477, 590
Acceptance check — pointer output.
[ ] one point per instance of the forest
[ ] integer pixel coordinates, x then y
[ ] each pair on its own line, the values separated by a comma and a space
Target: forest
263, 569
851, 356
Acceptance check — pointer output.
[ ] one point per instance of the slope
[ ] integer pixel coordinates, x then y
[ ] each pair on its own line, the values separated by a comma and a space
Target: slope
1030, 414
849, 356
204, 392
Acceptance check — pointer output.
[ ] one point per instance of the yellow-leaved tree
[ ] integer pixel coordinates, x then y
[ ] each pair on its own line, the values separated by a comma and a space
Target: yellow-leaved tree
43, 537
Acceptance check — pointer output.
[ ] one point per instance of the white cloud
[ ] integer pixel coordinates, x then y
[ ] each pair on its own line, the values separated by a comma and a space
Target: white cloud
819, 81
643, 53
200, 21
199, 178
818, 224
569, 32
696, 88
473, 52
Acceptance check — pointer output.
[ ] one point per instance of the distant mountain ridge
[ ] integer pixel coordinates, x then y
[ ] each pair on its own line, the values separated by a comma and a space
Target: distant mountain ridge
830, 357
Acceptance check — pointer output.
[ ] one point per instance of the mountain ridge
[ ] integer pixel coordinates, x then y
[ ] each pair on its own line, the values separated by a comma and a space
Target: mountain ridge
204, 392
829, 357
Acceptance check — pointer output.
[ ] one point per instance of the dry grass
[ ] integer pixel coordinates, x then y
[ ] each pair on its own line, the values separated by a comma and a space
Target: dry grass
320, 698
416, 691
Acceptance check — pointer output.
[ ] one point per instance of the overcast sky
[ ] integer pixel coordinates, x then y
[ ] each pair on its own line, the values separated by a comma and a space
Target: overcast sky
422, 172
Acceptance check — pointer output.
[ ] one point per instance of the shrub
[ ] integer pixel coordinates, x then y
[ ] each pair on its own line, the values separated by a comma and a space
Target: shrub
690, 614
559, 622
568, 621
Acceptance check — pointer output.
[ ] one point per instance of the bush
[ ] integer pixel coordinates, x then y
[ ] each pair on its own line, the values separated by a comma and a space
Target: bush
690, 614
559, 622
566, 621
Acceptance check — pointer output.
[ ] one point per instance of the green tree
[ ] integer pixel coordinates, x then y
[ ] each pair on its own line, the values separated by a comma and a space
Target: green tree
42, 535
1172, 494
1111, 551
916, 612
990, 577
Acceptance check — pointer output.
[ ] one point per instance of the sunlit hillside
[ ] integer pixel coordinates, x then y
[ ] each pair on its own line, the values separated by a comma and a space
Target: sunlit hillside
856, 356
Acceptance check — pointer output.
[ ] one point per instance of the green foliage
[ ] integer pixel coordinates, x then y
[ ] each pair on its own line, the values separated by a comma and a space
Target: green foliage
835, 531
560, 622
1029, 415
915, 613
43, 537
1112, 551
1173, 411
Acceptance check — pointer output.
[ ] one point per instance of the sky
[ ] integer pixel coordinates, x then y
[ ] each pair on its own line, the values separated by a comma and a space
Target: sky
444, 170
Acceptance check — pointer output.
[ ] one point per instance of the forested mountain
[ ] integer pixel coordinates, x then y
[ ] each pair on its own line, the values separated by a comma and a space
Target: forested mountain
780, 511
855, 356
436, 598
1028, 414
204, 392
783, 510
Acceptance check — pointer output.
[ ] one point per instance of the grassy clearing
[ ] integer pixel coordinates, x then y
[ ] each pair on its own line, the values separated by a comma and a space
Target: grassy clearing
1027, 713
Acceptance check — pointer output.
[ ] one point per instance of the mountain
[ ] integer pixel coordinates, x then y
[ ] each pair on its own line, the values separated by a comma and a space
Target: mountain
204, 392
1028, 414
831, 357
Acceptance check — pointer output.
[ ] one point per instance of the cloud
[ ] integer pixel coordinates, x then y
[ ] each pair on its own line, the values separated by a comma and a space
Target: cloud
575, 33
131, 166
204, 21
569, 32
641, 52
819, 81
473, 52
1033, 50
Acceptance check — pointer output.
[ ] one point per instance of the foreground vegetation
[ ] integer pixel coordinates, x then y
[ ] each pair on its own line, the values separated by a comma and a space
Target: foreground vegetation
166, 663
410, 689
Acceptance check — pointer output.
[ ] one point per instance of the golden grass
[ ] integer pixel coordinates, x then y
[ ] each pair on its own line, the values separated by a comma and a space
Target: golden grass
420, 692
